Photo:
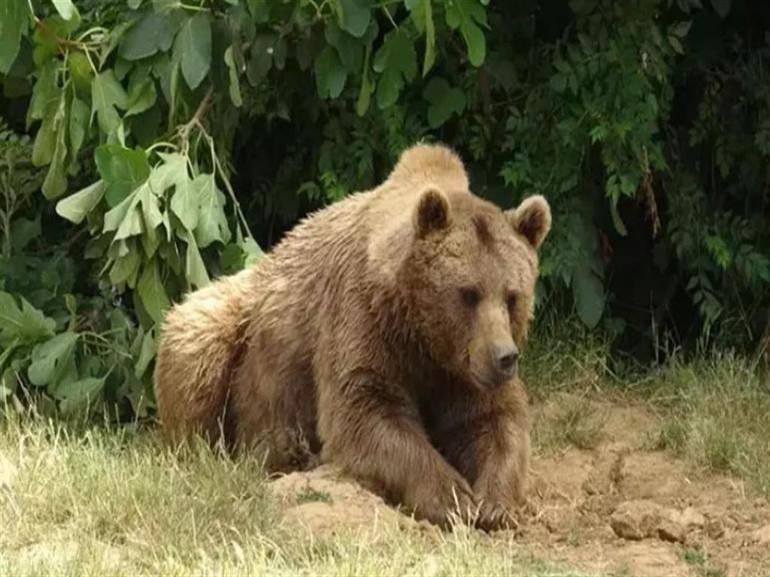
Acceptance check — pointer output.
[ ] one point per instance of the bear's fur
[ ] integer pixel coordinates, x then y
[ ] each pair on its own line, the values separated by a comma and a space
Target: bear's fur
382, 333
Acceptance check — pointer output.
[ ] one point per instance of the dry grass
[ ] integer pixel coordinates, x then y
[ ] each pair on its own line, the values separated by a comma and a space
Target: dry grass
719, 417
568, 420
101, 502
716, 410
97, 501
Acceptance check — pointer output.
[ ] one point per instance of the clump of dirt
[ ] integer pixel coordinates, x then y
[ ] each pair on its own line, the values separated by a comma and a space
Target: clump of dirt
619, 506
322, 501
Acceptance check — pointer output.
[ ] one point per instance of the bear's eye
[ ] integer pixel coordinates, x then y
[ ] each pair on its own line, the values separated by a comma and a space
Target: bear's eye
512, 299
470, 296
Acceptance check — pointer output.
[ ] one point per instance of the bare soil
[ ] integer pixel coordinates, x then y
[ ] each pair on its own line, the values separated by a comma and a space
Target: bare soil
623, 507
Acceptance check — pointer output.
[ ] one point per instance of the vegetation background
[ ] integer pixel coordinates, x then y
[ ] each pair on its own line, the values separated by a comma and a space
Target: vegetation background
150, 146
147, 147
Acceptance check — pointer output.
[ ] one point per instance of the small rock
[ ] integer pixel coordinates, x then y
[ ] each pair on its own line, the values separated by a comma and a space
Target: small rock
636, 520
715, 528
762, 536
606, 474
558, 520
672, 532
689, 518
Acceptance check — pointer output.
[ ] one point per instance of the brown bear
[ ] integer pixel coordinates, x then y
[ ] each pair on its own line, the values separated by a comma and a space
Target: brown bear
383, 334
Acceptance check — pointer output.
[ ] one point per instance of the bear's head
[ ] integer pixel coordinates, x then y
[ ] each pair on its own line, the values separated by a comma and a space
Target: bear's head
470, 280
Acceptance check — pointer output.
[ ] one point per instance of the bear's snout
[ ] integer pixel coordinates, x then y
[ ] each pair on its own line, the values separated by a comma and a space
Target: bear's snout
505, 359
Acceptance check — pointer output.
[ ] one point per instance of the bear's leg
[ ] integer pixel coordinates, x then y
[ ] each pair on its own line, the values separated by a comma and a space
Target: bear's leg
373, 431
273, 409
485, 436
502, 455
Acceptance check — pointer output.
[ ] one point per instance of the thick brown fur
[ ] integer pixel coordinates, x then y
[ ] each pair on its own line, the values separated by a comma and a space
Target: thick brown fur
382, 333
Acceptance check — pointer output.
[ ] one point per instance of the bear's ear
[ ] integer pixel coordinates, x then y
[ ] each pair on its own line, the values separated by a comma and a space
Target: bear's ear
432, 213
532, 219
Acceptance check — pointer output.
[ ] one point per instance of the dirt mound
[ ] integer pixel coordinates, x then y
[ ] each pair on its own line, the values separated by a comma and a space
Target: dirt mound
618, 506
322, 501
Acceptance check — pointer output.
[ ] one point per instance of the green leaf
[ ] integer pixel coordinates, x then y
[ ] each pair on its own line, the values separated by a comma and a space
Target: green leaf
50, 359
148, 200
259, 10
330, 74
152, 33
125, 219
46, 46
474, 38
422, 16
682, 28
617, 221
146, 354
24, 231
212, 222
152, 293
107, 94
165, 6
397, 61
125, 267
132, 224
45, 140
172, 172
719, 251
365, 93
184, 204
66, 9
150, 210
45, 91
79, 395
349, 49
444, 101
25, 324
14, 24
193, 49
8, 381
115, 216
80, 73
235, 85
231, 259
354, 16
78, 125
55, 183
252, 250
583, 7
588, 292
151, 216
75, 208
722, 7
141, 95
123, 170
467, 15
196, 270
675, 44
261, 57
309, 47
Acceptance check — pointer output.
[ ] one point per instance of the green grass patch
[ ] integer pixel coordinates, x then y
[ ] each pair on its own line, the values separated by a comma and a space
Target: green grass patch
718, 416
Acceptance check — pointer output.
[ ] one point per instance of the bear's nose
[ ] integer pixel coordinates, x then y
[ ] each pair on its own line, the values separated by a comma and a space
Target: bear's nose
506, 357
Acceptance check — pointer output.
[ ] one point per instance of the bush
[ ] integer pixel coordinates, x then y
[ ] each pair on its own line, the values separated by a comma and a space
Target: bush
175, 141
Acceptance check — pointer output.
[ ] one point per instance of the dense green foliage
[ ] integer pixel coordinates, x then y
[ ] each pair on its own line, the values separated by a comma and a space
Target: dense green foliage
148, 146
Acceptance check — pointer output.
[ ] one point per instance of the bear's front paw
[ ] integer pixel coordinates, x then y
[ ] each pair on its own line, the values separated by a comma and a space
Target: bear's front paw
495, 517
440, 502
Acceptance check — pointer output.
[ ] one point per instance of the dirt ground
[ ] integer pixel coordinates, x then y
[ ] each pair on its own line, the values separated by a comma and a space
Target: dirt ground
622, 508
